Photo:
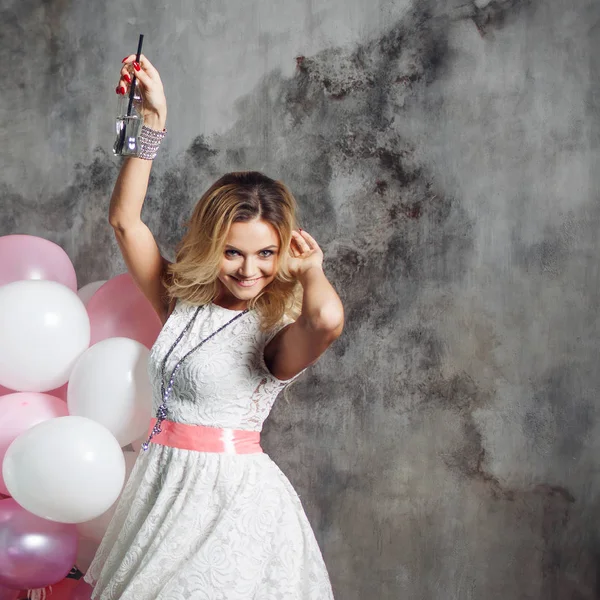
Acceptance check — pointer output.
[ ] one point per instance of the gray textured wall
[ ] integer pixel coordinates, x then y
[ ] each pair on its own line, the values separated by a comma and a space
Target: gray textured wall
446, 154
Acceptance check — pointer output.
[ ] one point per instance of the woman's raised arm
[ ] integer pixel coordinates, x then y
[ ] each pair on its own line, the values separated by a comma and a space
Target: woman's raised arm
138, 246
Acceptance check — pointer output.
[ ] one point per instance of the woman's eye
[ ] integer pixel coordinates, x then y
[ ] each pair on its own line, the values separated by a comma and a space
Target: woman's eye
262, 253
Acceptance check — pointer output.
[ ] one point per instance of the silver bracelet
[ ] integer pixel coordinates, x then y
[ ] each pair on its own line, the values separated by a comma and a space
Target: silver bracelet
149, 142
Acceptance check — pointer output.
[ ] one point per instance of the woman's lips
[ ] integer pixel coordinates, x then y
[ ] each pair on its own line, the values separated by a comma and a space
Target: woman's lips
246, 282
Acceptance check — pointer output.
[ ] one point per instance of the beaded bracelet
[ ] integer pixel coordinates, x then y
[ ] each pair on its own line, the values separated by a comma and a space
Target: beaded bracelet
149, 142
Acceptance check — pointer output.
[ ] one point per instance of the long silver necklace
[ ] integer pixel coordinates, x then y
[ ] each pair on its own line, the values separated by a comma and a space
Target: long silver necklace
163, 411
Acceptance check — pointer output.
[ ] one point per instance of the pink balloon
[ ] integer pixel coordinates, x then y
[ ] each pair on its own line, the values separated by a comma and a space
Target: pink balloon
119, 309
4, 391
63, 590
82, 591
60, 392
21, 410
8, 593
34, 552
86, 550
31, 257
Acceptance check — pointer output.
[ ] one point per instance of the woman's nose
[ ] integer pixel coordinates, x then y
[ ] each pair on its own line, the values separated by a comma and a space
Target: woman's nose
247, 268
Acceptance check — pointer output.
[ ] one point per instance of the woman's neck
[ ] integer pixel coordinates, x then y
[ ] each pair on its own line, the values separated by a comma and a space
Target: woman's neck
230, 302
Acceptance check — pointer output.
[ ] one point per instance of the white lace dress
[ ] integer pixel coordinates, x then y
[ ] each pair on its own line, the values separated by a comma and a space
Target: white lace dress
210, 526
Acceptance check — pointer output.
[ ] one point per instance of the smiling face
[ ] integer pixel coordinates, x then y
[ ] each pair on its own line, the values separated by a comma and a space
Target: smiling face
249, 262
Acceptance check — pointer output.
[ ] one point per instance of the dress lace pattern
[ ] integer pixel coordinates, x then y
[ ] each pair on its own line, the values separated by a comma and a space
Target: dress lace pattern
210, 526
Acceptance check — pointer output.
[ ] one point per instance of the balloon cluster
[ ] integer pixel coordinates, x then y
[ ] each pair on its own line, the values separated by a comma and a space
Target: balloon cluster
74, 391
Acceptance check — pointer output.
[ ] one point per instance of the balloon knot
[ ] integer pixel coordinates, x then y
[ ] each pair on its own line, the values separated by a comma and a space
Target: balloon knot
38, 594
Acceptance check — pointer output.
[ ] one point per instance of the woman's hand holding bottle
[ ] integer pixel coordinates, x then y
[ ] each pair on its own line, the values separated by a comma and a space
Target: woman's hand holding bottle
151, 88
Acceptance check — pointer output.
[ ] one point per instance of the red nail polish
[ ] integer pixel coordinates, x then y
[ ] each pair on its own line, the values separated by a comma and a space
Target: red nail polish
125, 59
127, 78
118, 89
136, 66
299, 228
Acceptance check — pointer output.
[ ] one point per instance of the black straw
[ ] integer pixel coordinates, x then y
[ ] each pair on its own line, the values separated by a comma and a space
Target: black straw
132, 87
131, 94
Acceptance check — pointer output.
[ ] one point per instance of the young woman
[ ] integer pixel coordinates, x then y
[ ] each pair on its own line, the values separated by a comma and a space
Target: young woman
246, 308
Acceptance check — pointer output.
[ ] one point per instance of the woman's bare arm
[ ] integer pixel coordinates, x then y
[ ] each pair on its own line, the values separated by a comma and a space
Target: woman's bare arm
321, 322
138, 246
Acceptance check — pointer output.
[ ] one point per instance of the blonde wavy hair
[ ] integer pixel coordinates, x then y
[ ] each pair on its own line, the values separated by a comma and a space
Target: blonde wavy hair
236, 197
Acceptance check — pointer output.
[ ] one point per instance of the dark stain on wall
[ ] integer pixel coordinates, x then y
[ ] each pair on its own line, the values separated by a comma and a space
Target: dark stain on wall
561, 416
76, 218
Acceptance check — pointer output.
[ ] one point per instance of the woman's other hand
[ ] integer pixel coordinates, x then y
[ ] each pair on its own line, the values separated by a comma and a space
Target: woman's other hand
305, 254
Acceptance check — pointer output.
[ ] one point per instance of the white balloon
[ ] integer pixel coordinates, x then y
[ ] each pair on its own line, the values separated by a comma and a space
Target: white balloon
88, 290
110, 384
96, 528
44, 329
66, 469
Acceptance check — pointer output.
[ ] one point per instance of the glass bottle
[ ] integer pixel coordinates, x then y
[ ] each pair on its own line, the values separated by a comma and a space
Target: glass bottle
129, 121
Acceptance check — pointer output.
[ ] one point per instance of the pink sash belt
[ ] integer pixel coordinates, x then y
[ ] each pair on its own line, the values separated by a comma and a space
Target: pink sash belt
206, 439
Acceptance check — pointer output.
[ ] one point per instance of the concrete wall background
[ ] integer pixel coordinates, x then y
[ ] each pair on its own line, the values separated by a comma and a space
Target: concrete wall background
446, 155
